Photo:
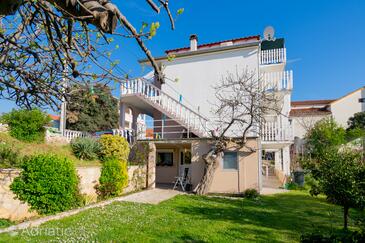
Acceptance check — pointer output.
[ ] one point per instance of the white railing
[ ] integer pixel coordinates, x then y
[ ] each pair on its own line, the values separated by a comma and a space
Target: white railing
70, 134
273, 56
278, 80
193, 121
274, 131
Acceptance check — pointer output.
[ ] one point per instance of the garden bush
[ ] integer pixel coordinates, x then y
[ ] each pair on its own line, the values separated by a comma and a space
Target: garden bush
48, 183
251, 193
114, 147
113, 178
9, 158
85, 148
27, 125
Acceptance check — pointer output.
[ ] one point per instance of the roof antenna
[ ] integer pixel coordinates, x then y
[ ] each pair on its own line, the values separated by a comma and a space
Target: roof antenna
269, 33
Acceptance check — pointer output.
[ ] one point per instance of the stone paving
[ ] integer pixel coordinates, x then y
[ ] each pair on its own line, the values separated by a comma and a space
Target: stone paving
152, 196
271, 191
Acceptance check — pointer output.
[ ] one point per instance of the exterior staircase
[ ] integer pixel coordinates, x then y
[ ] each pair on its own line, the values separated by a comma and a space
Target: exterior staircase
186, 117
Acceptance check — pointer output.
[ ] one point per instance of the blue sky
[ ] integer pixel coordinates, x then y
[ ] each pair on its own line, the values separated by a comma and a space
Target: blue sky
324, 39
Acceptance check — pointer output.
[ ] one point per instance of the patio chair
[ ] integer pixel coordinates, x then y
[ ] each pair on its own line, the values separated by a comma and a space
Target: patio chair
182, 180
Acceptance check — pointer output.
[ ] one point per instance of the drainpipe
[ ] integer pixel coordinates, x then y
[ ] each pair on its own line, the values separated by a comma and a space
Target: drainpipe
260, 164
259, 127
238, 173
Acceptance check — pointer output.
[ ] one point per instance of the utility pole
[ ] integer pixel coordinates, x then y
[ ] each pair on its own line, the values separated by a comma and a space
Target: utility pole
362, 100
64, 103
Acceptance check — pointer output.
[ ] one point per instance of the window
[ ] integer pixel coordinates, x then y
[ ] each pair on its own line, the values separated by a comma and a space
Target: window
165, 159
230, 161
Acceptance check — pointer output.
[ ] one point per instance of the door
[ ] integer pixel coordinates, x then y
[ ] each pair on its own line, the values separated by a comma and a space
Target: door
185, 162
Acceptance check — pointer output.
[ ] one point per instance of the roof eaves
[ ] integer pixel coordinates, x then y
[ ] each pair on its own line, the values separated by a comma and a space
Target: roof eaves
203, 51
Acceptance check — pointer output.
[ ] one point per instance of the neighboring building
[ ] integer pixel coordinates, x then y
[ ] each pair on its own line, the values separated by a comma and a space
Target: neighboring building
181, 105
305, 114
55, 121
141, 123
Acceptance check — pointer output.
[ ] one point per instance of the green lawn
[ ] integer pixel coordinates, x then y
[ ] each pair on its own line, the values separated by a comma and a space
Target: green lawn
279, 218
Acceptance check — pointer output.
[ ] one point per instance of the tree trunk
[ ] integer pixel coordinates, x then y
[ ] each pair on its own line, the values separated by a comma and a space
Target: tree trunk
345, 217
211, 163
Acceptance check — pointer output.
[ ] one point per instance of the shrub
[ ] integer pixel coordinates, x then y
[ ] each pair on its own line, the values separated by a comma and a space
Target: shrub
113, 178
8, 157
48, 183
27, 125
85, 148
292, 186
251, 193
5, 223
114, 147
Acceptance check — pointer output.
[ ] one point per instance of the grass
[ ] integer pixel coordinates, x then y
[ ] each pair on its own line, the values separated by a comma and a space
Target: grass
26, 149
277, 218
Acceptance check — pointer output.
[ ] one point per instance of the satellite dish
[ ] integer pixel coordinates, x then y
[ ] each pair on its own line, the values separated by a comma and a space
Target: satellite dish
269, 33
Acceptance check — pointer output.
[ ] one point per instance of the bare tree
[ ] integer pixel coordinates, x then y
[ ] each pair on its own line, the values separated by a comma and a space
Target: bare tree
45, 42
243, 101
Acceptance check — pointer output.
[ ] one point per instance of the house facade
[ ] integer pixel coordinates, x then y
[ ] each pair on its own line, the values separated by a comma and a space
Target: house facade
181, 107
304, 114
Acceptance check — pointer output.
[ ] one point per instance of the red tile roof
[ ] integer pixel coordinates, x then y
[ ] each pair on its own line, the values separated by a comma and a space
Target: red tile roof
54, 117
311, 102
309, 112
214, 44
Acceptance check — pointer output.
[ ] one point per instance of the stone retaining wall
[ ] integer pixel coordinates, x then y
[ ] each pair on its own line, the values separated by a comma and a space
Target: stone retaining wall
15, 210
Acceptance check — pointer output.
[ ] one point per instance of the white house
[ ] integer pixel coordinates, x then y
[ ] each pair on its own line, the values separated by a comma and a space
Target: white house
304, 114
181, 107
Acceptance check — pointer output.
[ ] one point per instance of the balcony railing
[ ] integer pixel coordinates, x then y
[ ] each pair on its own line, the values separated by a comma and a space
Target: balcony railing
273, 56
278, 80
274, 131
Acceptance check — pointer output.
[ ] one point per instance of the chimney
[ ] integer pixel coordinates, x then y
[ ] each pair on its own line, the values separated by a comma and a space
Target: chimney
193, 42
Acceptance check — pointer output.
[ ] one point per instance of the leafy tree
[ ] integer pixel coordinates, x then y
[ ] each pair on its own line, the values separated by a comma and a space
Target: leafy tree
92, 109
44, 43
324, 136
357, 121
338, 171
340, 177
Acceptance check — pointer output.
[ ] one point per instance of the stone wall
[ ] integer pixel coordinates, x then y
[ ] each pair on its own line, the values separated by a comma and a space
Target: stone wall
3, 127
13, 209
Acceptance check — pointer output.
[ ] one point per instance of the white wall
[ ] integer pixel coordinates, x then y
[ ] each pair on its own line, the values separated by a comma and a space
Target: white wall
346, 107
303, 123
196, 75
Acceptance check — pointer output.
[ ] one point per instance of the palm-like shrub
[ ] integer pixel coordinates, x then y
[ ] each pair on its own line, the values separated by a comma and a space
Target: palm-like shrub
48, 183
85, 148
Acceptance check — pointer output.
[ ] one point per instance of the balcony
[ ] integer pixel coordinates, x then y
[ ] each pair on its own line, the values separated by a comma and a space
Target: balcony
276, 131
278, 81
273, 56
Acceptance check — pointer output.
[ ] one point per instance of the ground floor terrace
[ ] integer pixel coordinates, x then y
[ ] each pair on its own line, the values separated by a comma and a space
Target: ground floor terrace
237, 171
